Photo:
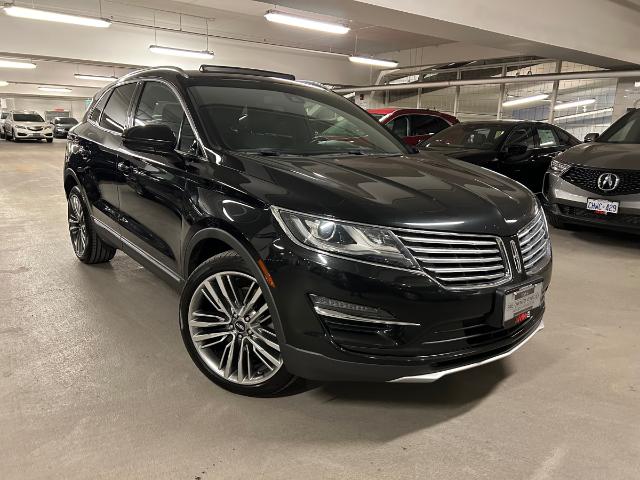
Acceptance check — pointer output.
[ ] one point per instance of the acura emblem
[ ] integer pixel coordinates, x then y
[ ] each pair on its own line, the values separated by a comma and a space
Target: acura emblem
608, 182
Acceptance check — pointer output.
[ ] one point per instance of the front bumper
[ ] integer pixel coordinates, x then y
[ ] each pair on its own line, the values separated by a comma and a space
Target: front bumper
40, 134
453, 332
567, 203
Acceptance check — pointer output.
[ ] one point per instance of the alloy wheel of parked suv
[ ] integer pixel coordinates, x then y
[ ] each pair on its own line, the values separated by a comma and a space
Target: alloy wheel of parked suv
228, 328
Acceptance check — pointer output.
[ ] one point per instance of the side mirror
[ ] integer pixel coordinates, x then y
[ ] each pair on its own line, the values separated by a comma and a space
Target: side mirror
591, 137
149, 138
517, 149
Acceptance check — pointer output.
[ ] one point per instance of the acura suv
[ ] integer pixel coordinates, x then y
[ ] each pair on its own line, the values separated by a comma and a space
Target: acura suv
300, 254
598, 183
25, 125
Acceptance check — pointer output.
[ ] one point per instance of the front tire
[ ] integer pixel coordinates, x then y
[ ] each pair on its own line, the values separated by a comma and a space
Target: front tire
555, 222
87, 245
49, 140
228, 328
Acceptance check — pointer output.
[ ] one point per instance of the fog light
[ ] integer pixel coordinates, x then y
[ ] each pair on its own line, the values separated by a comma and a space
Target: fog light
330, 307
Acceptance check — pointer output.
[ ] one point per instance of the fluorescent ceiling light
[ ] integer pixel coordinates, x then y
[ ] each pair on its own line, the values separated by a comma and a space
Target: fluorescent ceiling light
12, 64
54, 89
637, 84
577, 103
295, 21
350, 95
99, 78
523, 100
3, 83
374, 61
180, 52
584, 114
48, 16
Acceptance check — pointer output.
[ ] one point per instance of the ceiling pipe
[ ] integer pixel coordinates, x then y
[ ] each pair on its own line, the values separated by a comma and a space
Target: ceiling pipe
494, 81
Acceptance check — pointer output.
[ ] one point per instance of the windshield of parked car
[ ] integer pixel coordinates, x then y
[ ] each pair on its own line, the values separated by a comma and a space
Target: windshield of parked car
66, 121
625, 130
461, 135
27, 117
3, 115
283, 119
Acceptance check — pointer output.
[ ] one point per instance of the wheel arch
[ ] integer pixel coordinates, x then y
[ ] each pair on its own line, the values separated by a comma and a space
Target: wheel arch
71, 180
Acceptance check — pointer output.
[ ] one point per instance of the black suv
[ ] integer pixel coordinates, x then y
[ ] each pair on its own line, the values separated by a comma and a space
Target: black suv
306, 239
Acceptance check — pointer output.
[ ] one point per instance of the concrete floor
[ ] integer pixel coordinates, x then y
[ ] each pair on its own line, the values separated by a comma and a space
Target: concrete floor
95, 381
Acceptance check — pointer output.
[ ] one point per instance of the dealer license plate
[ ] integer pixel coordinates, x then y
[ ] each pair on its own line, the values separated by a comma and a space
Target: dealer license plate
600, 205
519, 303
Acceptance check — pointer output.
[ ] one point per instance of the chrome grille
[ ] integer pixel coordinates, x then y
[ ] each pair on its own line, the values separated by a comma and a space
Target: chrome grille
458, 260
534, 243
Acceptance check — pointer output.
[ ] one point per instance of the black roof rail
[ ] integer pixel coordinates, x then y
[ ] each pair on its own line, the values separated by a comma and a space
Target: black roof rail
245, 71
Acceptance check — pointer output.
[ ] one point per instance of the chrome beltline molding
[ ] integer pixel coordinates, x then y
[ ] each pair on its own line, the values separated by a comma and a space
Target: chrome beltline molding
433, 376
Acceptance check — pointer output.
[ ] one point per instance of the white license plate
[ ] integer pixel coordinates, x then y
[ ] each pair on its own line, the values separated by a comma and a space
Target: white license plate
522, 301
602, 206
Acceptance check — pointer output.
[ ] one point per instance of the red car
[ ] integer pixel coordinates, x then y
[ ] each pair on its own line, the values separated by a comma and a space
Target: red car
413, 124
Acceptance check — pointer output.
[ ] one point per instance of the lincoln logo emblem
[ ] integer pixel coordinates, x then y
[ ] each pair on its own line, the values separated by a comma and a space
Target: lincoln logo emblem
608, 182
516, 256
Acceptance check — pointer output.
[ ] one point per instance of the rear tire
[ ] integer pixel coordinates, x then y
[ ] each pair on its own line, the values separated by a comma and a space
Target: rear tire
87, 245
228, 330
49, 140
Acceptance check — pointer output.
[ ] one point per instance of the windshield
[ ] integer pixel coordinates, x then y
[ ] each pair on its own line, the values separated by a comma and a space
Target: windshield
27, 117
66, 121
625, 130
3, 116
461, 135
284, 119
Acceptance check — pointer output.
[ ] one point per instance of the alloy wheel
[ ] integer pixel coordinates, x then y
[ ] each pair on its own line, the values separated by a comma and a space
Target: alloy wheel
77, 225
232, 329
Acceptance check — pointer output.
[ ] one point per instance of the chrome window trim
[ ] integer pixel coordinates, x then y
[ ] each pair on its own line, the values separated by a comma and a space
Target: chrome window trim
420, 271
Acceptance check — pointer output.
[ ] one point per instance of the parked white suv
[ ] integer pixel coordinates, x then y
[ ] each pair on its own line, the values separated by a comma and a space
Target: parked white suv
23, 125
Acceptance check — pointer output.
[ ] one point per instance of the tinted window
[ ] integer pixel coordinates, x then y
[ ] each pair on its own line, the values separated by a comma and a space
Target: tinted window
426, 125
187, 137
399, 126
566, 138
114, 116
289, 119
547, 137
27, 117
97, 109
522, 136
66, 121
3, 116
158, 105
465, 135
625, 130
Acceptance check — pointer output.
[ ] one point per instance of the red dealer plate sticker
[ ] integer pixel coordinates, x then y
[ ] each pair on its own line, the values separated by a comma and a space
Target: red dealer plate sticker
520, 302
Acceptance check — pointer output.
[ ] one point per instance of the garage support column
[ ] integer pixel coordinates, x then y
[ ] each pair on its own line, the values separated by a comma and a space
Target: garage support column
419, 100
554, 93
456, 100
502, 90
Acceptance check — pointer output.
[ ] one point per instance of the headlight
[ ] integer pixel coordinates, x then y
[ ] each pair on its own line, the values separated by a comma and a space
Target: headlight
20, 126
371, 244
559, 167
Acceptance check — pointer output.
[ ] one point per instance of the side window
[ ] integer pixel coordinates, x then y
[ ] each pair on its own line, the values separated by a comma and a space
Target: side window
158, 105
426, 125
523, 136
399, 126
187, 137
97, 110
547, 137
114, 116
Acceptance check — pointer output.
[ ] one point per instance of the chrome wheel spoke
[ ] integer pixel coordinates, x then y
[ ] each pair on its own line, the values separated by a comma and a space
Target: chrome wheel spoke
231, 326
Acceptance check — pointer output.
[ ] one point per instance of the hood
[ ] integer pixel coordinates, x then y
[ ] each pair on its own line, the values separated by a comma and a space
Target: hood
31, 124
623, 156
426, 191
